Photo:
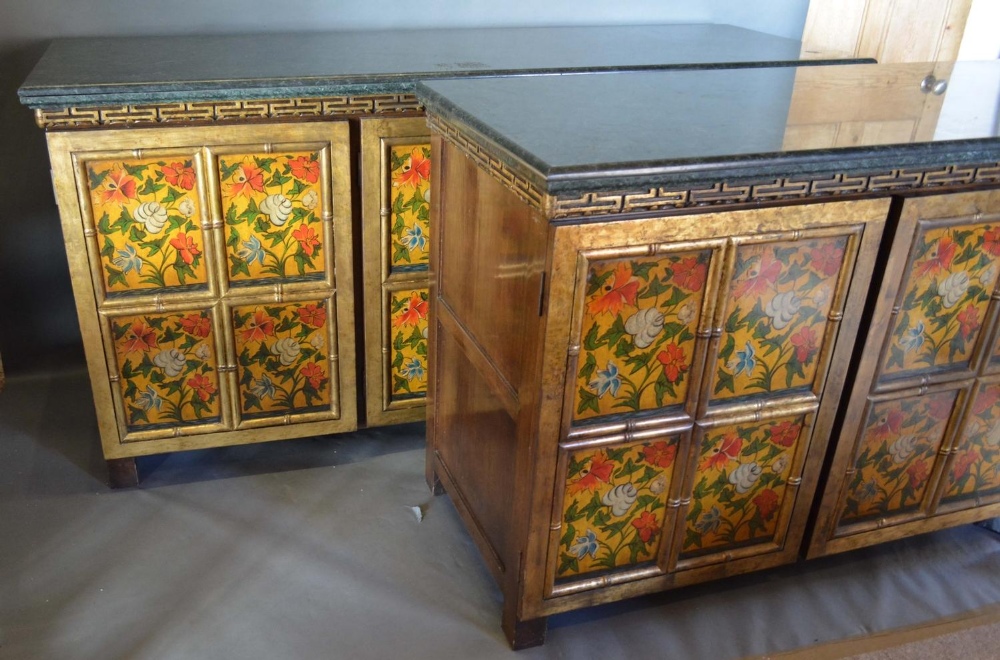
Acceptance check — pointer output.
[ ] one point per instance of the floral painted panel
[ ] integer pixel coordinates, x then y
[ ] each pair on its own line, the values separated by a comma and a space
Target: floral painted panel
975, 470
168, 368
776, 316
148, 218
614, 506
409, 216
896, 455
273, 208
947, 291
740, 484
283, 358
639, 325
408, 329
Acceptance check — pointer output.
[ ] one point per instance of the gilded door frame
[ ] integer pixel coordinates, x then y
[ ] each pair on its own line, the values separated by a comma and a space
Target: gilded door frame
378, 282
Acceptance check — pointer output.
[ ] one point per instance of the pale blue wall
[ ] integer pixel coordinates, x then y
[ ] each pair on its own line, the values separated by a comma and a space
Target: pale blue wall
37, 321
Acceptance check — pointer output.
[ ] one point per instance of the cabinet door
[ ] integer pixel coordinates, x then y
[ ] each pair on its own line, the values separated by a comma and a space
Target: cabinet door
396, 169
700, 385
213, 276
918, 448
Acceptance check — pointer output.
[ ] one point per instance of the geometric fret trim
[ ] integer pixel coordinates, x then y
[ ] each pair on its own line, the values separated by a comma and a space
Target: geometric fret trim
525, 190
721, 194
199, 112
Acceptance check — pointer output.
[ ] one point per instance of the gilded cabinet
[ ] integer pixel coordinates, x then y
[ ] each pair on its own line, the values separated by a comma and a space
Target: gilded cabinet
213, 274
640, 338
659, 390
920, 447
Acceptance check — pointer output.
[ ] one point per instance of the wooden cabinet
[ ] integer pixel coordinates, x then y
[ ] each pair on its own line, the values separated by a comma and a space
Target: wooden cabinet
666, 399
640, 339
212, 269
919, 447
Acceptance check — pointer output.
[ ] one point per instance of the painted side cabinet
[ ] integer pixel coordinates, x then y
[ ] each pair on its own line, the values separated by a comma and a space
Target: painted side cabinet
212, 269
919, 447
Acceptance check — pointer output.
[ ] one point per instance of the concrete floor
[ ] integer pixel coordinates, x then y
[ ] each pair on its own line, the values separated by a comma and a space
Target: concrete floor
311, 549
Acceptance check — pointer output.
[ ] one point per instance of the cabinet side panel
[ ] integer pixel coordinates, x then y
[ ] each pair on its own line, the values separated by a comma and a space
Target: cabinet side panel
476, 443
486, 265
487, 259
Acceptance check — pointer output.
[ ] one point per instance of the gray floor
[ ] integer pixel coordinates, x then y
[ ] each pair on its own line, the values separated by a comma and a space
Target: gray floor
312, 549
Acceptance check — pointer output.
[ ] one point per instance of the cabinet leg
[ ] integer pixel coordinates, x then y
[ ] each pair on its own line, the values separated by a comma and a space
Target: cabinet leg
430, 474
993, 524
437, 488
122, 473
525, 634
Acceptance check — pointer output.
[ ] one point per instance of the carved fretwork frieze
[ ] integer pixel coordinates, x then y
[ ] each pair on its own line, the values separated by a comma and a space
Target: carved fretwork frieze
197, 112
516, 183
655, 199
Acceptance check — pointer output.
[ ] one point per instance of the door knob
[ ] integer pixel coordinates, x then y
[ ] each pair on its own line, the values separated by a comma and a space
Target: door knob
932, 85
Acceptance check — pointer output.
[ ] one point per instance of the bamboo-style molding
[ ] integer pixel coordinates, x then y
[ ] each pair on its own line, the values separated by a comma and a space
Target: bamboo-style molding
198, 112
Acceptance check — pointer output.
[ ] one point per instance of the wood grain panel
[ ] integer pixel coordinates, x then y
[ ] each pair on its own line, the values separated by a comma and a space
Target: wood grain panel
490, 265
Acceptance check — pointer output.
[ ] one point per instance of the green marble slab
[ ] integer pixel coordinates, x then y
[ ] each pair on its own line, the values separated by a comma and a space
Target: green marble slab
117, 71
593, 132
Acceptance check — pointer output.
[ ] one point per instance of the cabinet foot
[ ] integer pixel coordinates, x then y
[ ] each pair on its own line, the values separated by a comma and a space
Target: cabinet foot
434, 483
122, 473
993, 525
525, 634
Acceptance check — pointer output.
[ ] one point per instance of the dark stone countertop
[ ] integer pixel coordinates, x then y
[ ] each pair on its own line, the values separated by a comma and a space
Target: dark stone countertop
118, 71
627, 130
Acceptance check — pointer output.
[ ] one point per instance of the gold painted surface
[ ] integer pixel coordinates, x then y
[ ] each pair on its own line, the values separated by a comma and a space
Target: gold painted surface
148, 219
273, 209
408, 327
896, 455
167, 368
975, 470
283, 357
740, 484
409, 216
776, 316
946, 292
614, 506
640, 320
